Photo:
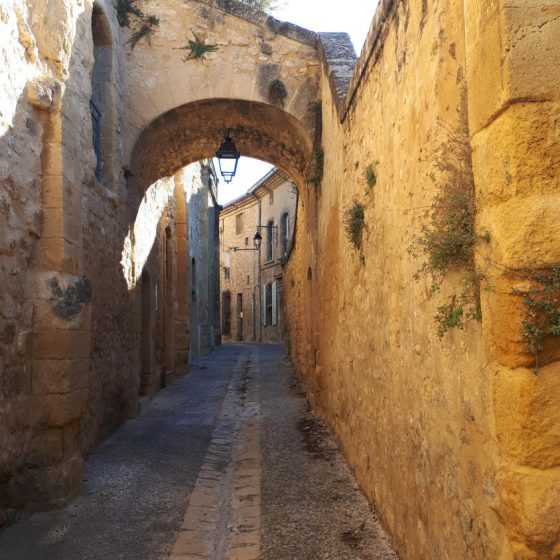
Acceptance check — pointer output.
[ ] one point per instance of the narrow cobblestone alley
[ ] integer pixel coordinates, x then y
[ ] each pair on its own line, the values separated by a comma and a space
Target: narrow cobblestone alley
225, 463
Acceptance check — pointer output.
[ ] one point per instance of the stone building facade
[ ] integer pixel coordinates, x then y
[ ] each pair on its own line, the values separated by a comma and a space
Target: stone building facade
203, 239
250, 313
101, 109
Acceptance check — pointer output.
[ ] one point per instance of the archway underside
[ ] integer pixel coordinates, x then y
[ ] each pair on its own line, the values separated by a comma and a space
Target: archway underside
194, 131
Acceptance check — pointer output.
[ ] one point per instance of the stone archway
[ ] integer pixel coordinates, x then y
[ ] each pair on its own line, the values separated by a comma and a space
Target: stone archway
194, 131
164, 111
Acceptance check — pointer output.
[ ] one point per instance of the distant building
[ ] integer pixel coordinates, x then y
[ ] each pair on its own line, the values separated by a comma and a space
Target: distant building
270, 208
203, 240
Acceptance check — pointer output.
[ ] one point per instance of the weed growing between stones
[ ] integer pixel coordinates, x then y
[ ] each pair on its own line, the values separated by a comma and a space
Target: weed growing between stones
315, 111
371, 176
146, 29
126, 8
542, 304
197, 49
144, 24
315, 107
448, 238
277, 92
354, 224
316, 176
263, 5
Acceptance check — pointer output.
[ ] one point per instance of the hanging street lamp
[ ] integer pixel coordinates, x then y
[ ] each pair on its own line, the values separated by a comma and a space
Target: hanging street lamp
228, 156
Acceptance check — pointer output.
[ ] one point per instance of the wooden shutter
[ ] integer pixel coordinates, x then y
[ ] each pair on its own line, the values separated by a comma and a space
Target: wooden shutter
274, 303
263, 310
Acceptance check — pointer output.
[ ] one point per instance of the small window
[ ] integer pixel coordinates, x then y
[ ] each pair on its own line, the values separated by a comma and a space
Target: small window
246, 241
248, 280
226, 266
239, 223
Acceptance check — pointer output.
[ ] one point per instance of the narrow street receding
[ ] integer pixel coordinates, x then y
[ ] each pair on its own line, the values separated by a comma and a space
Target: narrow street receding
226, 463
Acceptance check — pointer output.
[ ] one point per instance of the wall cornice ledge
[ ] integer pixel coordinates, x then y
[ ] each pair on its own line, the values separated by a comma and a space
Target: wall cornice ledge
257, 17
346, 73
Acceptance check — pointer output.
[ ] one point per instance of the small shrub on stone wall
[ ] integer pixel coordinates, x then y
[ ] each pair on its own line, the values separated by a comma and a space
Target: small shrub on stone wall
371, 176
354, 224
197, 48
448, 238
277, 92
263, 5
542, 304
316, 176
144, 30
126, 8
315, 107
143, 25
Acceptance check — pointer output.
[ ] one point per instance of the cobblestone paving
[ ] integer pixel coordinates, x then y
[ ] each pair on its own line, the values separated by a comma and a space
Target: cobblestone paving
225, 464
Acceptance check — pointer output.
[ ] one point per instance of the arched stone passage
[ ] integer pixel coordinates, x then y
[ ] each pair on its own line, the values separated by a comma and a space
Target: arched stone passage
194, 131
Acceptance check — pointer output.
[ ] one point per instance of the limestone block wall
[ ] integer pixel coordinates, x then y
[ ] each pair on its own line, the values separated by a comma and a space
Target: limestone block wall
21, 131
454, 440
514, 107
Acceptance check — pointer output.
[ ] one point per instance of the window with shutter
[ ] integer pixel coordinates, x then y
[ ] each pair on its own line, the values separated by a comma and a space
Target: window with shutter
264, 306
274, 310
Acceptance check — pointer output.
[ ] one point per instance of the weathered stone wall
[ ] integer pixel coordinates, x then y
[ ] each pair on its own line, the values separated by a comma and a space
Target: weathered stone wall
199, 184
21, 131
455, 446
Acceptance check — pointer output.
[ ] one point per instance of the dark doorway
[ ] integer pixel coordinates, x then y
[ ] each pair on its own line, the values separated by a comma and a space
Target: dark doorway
226, 306
147, 339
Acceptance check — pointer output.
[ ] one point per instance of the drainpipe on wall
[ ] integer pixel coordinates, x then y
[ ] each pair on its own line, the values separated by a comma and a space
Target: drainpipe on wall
259, 268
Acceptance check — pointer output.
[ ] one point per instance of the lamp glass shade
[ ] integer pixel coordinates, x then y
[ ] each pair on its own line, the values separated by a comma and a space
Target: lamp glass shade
228, 157
257, 240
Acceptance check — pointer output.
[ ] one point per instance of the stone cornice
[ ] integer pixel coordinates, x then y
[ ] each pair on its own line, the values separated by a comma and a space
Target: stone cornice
344, 70
257, 17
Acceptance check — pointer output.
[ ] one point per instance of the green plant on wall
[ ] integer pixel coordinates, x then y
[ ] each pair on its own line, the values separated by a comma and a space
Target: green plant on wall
317, 167
315, 107
197, 48
145, 30
542, 305
143, 24
277, 92
448, 238
371, 176
354, 225
263, 5
126, 8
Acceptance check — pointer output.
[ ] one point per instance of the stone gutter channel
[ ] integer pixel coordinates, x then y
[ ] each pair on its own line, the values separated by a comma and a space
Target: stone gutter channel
223, 516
